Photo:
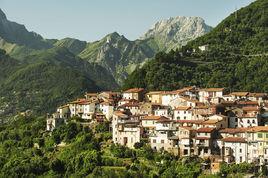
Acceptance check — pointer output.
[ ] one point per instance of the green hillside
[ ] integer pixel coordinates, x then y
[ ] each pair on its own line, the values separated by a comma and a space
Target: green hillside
73, 45
236, 57
47, 79
244, 31
117, 54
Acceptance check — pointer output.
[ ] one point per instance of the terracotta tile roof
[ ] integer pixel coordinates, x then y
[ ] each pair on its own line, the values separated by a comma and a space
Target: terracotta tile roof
201, 107
211, 89
190, 100
233, 130
211, 122
64, 106
202, 138
129, 100
205, 130
247, 103
187, 128
152, 117
259, 129
120, 114
183, 108
228, 103
91, 94
248, 108
163, 119
154, 93
134, 90
234, 139
81, 102
239, 93
257, 94
130, 105
189, 121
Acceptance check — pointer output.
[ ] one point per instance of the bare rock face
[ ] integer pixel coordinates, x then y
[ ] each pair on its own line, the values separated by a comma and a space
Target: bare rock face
176, 31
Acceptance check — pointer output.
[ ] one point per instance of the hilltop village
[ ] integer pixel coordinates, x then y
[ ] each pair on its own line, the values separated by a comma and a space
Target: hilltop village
206, 122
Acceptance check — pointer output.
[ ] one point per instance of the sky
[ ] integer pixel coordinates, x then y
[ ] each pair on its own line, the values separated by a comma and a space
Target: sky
91, 20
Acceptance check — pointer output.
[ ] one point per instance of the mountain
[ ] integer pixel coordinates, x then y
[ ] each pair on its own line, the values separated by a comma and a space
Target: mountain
48, 79
175, 32
13, 32
236, 57
114, 52
73, 45
40, 74
117, 54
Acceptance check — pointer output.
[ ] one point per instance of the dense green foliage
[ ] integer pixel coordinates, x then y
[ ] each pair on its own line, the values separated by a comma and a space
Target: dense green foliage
73, 150
28, 151
236, 58
244, 31
48, 78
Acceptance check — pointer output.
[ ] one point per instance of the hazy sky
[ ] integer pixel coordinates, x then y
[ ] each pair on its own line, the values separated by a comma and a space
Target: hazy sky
92, 19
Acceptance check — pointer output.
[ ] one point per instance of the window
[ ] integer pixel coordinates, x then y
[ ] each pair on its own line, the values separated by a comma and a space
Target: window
184, 112
185, 152
236, 119
253, 122
206, 134
266, 135
162, 141
248, 121
241, 159
206, 150
259, 135
154, 140
240, 150
184, 117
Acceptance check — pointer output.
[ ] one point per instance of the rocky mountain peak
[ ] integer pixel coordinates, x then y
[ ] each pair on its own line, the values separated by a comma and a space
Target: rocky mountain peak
2, 15
176, 31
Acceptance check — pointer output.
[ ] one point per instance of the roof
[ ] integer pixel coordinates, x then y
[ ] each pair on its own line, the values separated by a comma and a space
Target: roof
190, 100
248, 108
152, 117
211, 122
64, 106
248, 103
259, 129
120, 114
163, 119
173, 138
234, 139
239, 93
257, 94
105, 103
154, 93
202, 138
205, 130
233, 130
183, 108
189, 121
91, 94
134, 90
211, 89
187, 128
131, 104
201, 107
82, 101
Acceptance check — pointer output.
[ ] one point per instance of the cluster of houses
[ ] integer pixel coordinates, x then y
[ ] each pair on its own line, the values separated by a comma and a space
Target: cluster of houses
207, 122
